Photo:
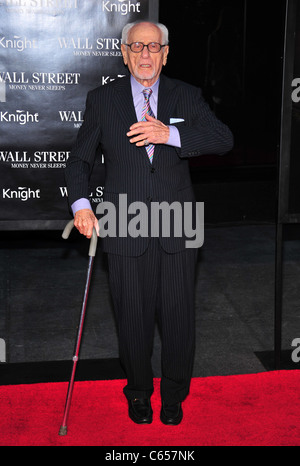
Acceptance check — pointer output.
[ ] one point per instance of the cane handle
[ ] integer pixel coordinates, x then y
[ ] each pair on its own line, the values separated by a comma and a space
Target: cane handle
93, 242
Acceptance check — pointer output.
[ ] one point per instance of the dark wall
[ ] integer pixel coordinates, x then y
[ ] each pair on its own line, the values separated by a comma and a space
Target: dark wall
233, 51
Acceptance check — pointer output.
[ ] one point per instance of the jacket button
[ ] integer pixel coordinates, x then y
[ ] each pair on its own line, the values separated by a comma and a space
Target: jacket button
149, 198
152, 170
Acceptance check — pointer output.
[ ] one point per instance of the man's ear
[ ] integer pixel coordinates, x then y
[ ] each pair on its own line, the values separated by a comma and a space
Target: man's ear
166, 51
124, 53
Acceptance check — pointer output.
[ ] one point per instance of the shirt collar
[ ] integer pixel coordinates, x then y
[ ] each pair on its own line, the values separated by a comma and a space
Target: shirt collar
137, 88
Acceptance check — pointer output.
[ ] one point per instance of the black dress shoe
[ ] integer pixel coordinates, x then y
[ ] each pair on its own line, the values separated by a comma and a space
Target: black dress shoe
140, 410
171, 415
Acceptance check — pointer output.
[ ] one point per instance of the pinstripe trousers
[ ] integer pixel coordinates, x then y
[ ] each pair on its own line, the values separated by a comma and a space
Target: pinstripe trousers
155, 284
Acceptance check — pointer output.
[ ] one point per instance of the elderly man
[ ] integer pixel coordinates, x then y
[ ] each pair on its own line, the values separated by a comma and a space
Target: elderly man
147, 126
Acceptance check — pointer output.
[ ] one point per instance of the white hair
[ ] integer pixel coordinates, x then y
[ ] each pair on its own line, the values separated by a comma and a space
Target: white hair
129, 26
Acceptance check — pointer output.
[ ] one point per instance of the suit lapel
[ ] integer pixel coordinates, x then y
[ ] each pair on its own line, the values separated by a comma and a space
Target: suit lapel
167, 99
124, 102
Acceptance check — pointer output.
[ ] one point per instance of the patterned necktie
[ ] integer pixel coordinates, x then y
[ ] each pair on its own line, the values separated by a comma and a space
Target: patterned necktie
147, 110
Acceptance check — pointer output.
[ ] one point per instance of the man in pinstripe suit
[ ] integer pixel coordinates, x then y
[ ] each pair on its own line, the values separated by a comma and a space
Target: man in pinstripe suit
148, 276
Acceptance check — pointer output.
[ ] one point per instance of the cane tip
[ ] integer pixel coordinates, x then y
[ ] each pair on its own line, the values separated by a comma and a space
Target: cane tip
63, 430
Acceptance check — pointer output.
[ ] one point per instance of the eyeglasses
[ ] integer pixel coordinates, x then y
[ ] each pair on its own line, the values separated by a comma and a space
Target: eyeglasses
137, 47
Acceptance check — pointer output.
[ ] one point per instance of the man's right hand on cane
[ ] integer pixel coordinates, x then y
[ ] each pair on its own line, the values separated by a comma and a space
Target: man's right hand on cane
85, 221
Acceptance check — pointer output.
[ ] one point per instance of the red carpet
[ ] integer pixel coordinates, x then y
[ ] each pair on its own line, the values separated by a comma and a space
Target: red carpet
242, 410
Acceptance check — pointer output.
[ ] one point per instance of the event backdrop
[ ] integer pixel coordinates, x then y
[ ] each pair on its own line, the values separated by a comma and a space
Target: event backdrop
52, 52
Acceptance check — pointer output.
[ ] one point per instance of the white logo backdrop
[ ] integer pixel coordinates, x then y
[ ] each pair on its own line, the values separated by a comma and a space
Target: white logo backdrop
51, 54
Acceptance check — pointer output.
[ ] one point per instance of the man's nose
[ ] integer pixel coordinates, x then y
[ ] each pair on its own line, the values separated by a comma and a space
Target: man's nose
145, 52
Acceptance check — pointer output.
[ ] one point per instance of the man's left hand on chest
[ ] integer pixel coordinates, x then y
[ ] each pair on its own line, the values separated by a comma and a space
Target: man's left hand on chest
153, 131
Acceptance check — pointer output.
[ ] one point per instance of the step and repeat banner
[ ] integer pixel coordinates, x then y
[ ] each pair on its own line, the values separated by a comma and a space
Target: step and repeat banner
52, 52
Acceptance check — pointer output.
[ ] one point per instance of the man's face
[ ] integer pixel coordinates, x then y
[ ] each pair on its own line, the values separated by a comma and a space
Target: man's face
145, 66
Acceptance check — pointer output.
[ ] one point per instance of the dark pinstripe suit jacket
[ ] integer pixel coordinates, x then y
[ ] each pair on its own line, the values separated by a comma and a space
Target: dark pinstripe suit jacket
109, 114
